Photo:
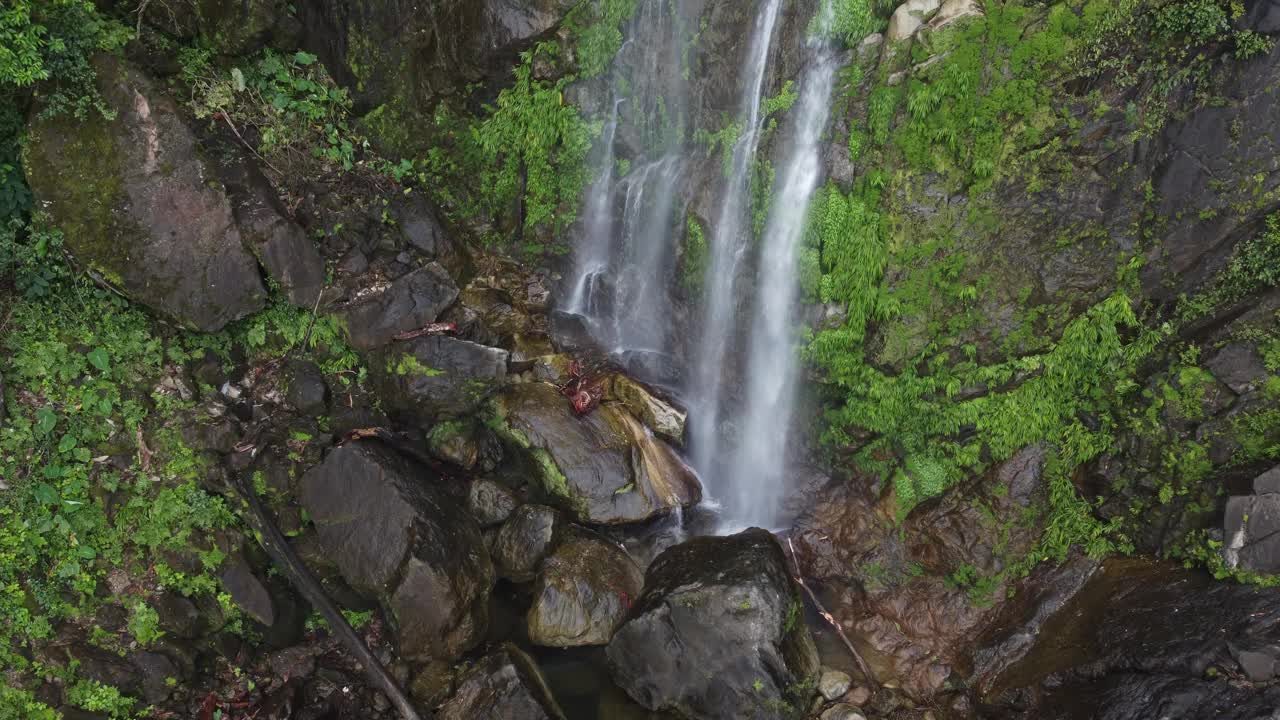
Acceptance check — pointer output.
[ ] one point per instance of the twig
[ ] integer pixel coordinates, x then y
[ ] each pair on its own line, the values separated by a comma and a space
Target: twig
857, 656
284, 556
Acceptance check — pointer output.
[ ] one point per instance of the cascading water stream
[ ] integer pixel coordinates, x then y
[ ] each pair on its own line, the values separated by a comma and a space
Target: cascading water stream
623, 264
730, 241
759, 464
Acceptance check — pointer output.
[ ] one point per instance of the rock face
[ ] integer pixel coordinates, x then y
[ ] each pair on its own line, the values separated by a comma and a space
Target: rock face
717, 633
134, 201
434, 377
395, 534
605, 467
1146, 640
409, 303
1251, 527
506, 685
279, 243
658, 415
910, 610
909, 18
583, 592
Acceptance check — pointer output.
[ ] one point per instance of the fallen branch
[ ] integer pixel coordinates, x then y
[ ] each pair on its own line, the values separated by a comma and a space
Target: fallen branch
287, 560
857, 656
227, 119
432, 329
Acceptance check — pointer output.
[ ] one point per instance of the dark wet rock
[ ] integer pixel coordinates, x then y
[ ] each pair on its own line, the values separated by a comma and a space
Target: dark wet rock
582, 593
235, 27
491, 503
659, 369
1146, 640
434, 377
133, 199
570, 332
355, 263
396, 534
294, 662
1239, 366
155, 672
306, 389
717, 633
1263, 16
279, 243
505, 685
604, 467
247, 591
179, 616
458, 443
408, 303
523, 541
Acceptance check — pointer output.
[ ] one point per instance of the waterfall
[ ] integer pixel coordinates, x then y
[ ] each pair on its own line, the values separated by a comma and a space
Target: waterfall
623, 264
730, 241
759, 465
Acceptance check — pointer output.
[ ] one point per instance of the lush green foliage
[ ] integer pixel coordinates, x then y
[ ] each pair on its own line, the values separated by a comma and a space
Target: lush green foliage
533, 148
597, 25
51, 42
295, 110
849, 20
693, 263
1254, 265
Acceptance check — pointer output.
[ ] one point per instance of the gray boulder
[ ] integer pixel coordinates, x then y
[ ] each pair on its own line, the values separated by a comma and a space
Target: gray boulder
718, 633
583, 592
134, 199
605, 467
394, 533
434, 377
410, 302
491, 503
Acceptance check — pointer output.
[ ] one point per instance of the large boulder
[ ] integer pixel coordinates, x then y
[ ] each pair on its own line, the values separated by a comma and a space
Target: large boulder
1251, 527
279, 243
718, 633
505, 685
583, 592
605, 467
435, 377
410, 302
395, 533
138, 206
657, 414
1150, 640
524, 540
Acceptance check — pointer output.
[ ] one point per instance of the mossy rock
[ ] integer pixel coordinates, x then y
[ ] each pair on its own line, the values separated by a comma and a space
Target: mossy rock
132, 197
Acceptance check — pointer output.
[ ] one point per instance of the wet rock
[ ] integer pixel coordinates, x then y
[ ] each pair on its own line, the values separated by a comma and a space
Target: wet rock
605, 467
436, 377
570, 332
717, 632
248, 592
294, 662
505, 685
155, 671
491, 503
355, 263
832, 684
133, 199
409, 303
394, 533
1257, 665
909, 18
1239, 366
523, 541
658, 415
583, 592
306, 389
1146, 639
279, 243
1263, 16
179, 616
